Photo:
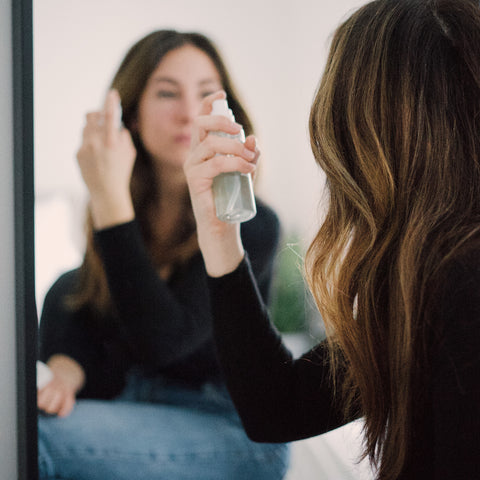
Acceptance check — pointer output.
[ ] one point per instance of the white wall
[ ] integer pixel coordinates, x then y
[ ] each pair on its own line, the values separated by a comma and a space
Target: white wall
8, 437
275, 51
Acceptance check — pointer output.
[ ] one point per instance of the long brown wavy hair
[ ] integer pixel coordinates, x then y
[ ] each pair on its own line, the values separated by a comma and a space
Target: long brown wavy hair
395, 125
130, 80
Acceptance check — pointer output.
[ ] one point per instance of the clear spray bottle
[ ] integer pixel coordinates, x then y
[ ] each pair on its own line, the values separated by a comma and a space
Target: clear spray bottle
233, 191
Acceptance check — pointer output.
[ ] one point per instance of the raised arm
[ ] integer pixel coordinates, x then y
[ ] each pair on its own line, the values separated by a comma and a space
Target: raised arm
106, 158
220, 242
278, 398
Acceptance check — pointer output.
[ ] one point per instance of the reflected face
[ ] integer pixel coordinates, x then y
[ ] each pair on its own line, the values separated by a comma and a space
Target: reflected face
171, 100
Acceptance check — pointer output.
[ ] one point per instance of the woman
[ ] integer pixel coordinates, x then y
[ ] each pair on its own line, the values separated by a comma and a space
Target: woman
395, 267
133, 323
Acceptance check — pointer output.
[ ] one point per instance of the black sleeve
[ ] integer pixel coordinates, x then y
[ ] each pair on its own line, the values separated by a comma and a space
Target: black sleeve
279, 398
59, 333
66, 331
456, 376
166, 322
260, 238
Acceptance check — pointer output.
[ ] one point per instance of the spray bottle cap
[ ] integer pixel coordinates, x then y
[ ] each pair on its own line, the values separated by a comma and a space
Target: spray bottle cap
220, 107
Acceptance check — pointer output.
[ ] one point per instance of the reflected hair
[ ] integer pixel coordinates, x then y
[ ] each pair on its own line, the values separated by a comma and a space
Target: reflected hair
130, 80
395, 127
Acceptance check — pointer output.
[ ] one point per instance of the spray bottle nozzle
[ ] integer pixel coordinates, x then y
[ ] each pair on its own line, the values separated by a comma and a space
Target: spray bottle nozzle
220, 107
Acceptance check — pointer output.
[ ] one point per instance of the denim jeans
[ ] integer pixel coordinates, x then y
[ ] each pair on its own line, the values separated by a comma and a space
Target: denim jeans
156, 430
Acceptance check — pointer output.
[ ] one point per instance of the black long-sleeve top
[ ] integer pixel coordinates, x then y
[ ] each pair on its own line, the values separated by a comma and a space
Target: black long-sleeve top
162, 327
281, 399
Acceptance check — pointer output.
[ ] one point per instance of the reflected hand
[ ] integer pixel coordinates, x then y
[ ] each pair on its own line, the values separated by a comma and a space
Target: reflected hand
209, 156
106, 158
57, 397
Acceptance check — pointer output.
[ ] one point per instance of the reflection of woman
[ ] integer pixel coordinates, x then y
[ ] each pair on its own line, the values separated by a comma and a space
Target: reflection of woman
134, 321
395, 267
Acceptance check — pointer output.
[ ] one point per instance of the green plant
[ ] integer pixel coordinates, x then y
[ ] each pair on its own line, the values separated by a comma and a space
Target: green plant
289, 309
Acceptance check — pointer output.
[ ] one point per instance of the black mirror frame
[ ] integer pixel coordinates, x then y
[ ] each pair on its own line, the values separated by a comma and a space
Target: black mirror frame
25, 307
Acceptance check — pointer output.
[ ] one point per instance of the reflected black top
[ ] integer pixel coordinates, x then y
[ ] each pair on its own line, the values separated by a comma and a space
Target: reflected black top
281, 399
163, 327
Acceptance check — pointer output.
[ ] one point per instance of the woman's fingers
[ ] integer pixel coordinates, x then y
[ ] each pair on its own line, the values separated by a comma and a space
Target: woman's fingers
50, 399
56, 399
215, 145
205, 163
204, 129
108, 121
206, 105
44, 397
112, 115
213, 154
201, 175
93, 124
206, 124
226, 163
67, 405
107, 154
251, 144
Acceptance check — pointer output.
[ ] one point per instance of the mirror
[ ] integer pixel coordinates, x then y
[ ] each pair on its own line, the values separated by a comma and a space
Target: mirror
274, 50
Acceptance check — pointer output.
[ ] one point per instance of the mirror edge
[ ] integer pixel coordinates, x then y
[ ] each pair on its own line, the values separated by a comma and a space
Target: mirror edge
25, 307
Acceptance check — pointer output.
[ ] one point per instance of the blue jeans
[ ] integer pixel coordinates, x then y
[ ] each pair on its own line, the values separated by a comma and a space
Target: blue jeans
156, 430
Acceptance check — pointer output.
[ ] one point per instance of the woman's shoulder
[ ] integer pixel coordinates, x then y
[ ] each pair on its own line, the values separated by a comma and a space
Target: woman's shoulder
54, 309
65, 284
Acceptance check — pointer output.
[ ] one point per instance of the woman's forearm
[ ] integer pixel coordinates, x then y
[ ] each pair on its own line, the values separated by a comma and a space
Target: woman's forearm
221, 248
109, 210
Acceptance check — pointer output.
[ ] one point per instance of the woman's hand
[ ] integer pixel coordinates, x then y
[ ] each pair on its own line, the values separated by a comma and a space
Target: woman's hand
106, 159
58, 396
209, 156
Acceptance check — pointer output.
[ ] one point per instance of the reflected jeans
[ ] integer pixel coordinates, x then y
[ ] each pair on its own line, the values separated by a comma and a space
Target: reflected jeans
156, 430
